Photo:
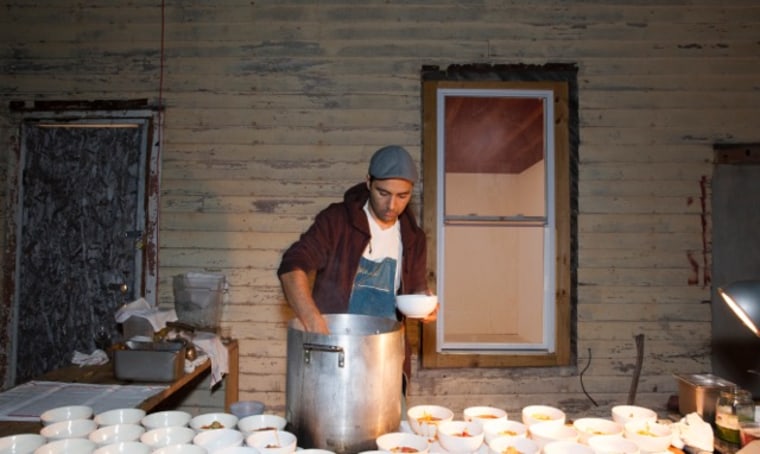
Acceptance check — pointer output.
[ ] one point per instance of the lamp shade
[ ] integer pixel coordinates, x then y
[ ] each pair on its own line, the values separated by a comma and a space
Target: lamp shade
743, 297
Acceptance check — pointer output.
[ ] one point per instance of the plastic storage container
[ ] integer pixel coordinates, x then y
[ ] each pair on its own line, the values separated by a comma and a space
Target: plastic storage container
198, 299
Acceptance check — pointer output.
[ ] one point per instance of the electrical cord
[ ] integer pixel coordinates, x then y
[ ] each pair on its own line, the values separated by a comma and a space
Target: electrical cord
580, 376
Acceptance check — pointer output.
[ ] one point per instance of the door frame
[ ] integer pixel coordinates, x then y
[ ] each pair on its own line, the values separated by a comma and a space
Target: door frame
105, 115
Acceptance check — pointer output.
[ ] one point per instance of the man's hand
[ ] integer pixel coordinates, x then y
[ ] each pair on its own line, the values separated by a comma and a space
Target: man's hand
316, 324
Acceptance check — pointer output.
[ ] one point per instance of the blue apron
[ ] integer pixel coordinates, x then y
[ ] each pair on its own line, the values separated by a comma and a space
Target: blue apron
374, 291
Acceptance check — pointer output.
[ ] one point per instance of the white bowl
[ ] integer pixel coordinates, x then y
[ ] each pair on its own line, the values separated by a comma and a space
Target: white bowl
484, 414
255, 423
182, 448
621, 414
424, 419
460, 436
416, 306
169, 418
272, 441
589, 427
120, 416
208, 421
546, 432
21, 443
612, 444
504, 428
566, 447
124, 447
243, 450
508, 445
649, 436
244, 408
165, 436
67, 446
75, 428
402, 442
116, 433
533, 414
314, 451
213, 440
65, 414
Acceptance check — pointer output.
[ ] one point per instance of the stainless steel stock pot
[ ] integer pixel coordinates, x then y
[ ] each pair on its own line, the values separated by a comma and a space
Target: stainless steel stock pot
344, 389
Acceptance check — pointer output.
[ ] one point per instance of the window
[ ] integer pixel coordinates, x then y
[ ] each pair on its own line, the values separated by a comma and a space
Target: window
497, 210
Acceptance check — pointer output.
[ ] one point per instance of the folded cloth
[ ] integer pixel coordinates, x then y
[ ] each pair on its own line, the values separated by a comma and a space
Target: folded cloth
141, 308
211, 345
96, 357
693, 431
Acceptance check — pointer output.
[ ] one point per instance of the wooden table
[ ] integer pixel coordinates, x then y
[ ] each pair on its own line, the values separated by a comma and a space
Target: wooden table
103, 374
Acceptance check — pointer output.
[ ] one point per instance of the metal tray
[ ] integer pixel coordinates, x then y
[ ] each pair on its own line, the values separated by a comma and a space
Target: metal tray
150, 361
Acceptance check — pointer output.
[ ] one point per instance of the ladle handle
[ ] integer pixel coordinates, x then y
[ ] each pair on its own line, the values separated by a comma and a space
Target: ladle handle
308, 347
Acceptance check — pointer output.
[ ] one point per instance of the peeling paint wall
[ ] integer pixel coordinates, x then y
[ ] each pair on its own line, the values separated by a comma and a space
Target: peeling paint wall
274, 107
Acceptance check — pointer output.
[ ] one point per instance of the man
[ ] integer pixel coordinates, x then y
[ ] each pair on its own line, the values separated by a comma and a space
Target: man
359, 253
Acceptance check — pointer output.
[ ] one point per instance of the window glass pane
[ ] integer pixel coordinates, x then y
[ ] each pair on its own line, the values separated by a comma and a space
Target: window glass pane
497, 297
494, 156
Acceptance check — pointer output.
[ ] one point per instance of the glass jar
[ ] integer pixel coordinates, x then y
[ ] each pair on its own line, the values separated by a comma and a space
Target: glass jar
734, 405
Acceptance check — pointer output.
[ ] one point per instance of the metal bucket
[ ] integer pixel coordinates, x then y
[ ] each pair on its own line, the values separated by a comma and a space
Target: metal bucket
344, 389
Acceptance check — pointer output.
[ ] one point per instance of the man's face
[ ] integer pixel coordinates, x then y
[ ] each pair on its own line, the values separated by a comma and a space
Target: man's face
388, 199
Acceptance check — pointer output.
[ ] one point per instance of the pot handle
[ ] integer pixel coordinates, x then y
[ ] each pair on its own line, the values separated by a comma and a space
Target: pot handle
308, 347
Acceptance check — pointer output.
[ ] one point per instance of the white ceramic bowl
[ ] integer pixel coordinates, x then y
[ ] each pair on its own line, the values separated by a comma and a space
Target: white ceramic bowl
402, 442
649, 436
120, 416
165, 436
460, 436
65, 414
169, 418
213, 440
508, 445
416, 306
208, 421
116, 433
272, 441
621, 414
75, 428
124, 447
314, 451
612, 444
548, 431
67, 446
21, 443
504, 428
182, 448
255, 423
566, 447
484, 414
589, 427
243, 450
424, 419
533, 414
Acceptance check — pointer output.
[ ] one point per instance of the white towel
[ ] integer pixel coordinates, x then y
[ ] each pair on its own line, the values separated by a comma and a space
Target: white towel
210, 344
141, 308
692, 431
96, 357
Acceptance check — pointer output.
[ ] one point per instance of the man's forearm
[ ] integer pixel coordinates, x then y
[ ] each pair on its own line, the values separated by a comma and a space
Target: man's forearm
297, 289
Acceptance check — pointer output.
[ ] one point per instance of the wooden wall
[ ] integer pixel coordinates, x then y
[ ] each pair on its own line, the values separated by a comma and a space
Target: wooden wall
273, 108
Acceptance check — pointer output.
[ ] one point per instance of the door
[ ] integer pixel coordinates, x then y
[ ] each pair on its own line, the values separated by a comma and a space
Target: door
86, 235
736, 256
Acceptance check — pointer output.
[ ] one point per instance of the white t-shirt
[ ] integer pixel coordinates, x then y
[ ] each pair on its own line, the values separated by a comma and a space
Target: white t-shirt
384, 243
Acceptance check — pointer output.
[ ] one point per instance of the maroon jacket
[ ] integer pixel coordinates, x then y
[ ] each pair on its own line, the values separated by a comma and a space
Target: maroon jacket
334, 243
